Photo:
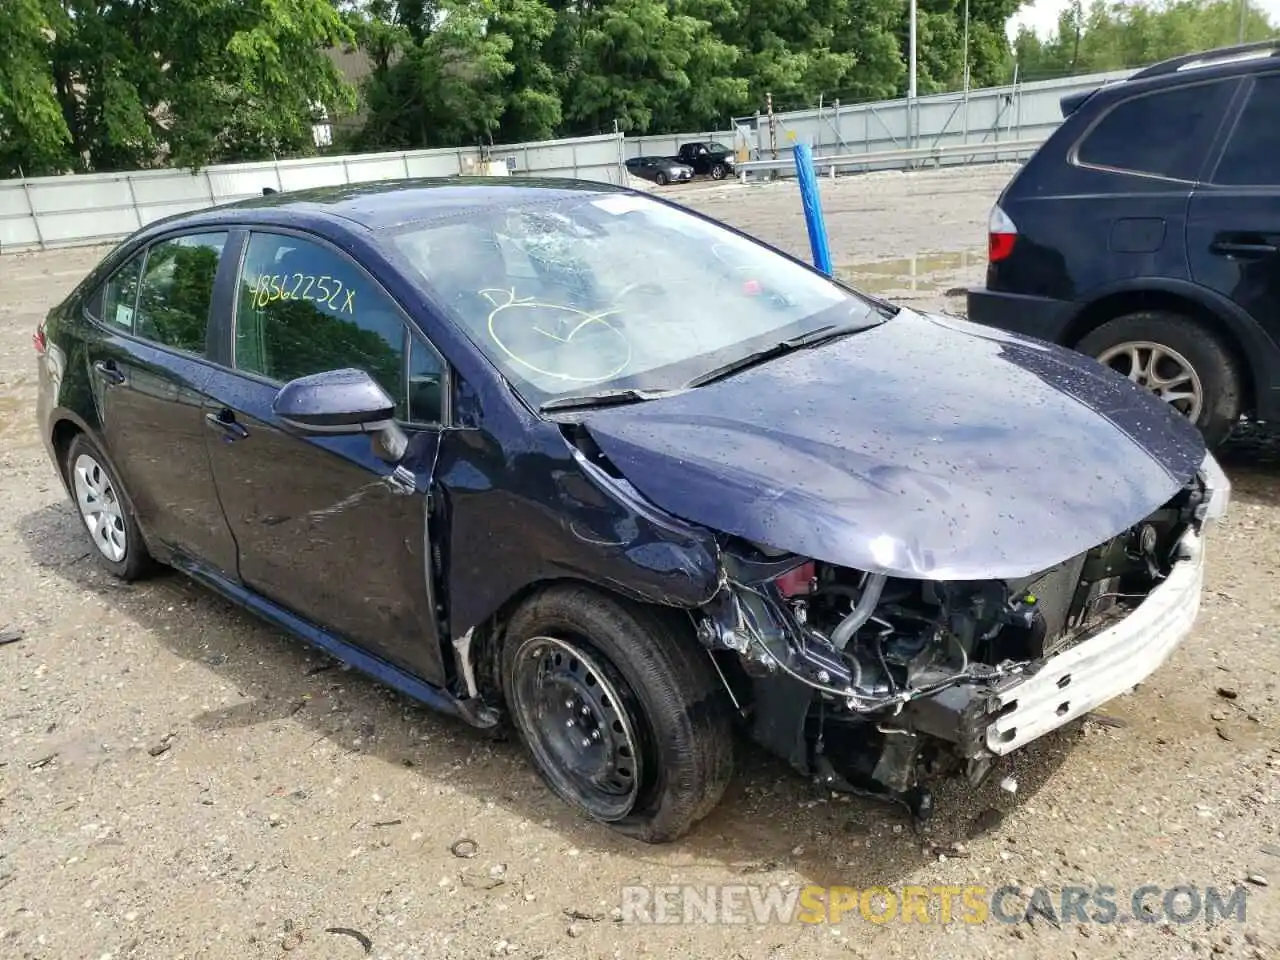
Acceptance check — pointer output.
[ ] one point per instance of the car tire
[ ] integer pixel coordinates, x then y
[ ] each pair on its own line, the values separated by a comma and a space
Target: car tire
620, 709
661, 179
1181, 342
97, 492
718, 171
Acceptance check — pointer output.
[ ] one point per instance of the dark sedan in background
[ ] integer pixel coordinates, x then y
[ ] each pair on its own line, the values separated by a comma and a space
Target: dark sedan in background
661, 170
579, 459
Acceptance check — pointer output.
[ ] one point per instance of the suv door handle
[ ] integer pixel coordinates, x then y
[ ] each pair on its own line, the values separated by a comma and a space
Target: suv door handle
1241, 248
109, 373
225, 421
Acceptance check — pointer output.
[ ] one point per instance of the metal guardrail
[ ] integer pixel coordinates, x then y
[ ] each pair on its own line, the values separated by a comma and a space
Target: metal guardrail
845, 160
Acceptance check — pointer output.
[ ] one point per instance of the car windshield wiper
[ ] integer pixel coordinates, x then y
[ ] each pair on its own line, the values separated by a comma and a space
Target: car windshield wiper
830, 331
602, 397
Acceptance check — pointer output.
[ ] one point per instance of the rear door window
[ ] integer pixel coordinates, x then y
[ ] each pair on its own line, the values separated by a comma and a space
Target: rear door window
1252, 155
1163, 134
120, 296
177, 290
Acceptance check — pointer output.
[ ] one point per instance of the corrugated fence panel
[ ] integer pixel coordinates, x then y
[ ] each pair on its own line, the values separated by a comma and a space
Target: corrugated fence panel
241, 180
378, 166
1024, 111
301, 174
76, 209
158, 194
69, 210
18, 227
437, 163
585, 158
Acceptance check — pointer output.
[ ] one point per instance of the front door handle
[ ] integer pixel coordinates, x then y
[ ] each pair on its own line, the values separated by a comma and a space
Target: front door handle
109, 373
225, 421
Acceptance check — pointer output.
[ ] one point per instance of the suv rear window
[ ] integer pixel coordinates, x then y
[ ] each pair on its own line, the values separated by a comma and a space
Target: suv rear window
1252, 157
1162, 134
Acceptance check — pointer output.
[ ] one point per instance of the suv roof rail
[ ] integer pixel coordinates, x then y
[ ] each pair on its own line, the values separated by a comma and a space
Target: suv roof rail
1211, 58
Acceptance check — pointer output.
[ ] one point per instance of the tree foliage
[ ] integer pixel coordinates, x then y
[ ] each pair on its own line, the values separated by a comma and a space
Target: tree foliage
123, 84
1112, 36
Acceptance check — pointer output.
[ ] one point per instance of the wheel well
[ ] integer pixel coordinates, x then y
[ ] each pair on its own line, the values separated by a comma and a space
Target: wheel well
487, 640
64, 431
1133, 301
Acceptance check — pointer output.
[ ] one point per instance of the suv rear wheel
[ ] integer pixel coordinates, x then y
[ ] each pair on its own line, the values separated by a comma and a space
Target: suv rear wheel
1178, 360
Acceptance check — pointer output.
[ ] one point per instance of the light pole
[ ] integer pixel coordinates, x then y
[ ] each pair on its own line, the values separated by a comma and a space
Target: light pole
1244, 7
911, 79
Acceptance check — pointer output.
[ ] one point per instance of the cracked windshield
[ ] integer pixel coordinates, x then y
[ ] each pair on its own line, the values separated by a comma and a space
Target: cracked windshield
611, 293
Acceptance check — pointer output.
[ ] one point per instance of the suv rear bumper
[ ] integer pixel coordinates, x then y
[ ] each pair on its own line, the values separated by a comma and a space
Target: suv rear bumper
1041, 317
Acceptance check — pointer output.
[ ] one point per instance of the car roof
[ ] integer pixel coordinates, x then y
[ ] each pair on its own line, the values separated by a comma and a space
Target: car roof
1222, 61
1218, 63
388, 203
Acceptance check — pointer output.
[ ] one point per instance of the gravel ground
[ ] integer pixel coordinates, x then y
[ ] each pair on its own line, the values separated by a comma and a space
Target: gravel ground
178, 780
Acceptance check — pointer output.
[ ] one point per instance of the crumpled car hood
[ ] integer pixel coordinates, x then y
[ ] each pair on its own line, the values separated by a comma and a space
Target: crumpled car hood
927, 447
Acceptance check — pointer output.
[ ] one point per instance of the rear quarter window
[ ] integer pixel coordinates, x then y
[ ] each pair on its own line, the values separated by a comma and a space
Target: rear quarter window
1252, 155
1162, 134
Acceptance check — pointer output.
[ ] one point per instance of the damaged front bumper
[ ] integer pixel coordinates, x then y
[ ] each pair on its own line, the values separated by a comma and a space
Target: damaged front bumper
1081, 678
816, 697
1118, 657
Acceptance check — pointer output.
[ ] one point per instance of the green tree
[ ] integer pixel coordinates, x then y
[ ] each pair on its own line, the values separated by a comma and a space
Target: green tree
34, 137
437, 72
648, 64
1114, 36
88, 85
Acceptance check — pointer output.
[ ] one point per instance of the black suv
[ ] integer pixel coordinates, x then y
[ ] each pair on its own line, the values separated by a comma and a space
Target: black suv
1145, 232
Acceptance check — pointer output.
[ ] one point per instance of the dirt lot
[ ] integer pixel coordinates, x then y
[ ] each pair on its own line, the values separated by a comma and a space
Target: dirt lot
178, 780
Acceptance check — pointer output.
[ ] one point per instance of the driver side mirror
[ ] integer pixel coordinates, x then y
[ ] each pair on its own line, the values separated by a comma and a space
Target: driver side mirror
340, 402
335, 402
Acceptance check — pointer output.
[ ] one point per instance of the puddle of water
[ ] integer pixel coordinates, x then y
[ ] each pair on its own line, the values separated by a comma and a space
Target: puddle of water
922, 273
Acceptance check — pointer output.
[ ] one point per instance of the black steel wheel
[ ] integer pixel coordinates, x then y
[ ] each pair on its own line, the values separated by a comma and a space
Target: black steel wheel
582, 733
619, 708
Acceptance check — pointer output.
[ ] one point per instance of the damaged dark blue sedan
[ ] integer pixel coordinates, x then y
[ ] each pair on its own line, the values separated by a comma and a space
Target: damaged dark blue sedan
581, 461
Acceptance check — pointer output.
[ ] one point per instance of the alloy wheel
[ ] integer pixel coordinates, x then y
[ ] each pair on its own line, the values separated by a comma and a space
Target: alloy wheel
576, 724
1160, 369
100, 508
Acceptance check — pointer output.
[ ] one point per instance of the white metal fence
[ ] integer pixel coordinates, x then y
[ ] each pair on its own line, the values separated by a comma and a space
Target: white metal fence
1025, 112
42, 212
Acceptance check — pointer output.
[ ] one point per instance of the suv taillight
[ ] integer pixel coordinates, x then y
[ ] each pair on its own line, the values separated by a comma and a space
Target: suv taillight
38, 339
1001, 235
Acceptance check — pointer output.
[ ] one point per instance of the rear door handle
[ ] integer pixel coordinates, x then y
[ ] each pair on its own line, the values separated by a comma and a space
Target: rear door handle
109, 373
225, 421
1244, 248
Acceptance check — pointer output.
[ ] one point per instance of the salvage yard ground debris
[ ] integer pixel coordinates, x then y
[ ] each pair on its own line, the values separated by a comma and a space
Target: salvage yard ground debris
264, 828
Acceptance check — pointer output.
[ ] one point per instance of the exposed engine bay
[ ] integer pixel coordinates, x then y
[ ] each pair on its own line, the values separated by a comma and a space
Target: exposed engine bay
871, 682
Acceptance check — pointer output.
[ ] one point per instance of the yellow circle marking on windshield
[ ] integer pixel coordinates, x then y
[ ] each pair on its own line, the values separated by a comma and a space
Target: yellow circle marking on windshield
530, 302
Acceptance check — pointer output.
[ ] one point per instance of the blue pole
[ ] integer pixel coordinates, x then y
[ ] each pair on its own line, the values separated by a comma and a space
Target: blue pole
812, 208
